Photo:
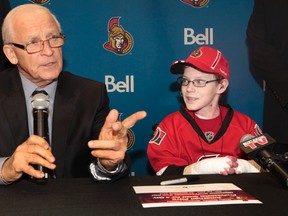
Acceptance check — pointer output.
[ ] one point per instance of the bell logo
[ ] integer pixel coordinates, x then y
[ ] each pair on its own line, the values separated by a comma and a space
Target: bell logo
201, 39
120, 86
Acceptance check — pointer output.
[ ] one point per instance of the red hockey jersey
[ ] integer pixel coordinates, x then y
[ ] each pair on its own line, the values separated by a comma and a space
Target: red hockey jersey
179, 141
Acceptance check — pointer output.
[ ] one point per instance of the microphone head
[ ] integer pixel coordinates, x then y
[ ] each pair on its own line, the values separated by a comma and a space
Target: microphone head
251, 145
246, 137
40, 101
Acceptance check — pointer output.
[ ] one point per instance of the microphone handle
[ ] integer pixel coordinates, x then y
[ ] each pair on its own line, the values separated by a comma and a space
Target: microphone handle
267, 159
41, 129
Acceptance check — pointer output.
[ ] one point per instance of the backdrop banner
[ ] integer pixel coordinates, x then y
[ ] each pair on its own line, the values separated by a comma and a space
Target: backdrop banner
129, 45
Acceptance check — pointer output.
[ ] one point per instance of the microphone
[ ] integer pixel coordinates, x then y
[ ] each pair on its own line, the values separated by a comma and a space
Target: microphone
259, 149
40, 104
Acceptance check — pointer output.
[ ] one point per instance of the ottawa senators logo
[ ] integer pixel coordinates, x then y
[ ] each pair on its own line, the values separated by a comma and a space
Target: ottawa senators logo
196, 3
197, 53
40, 2
119, 41
158, 136
130, 135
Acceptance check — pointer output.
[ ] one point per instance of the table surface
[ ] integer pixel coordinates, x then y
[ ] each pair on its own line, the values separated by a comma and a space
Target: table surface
81, 196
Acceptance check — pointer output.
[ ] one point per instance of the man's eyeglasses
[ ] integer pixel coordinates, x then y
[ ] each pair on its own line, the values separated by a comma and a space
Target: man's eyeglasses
37, 46
197, 82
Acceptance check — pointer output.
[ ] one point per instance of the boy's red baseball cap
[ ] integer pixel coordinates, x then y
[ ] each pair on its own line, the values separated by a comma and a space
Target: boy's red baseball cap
206, 59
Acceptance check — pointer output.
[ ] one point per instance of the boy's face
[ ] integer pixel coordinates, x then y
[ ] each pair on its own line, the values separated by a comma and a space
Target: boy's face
200, 99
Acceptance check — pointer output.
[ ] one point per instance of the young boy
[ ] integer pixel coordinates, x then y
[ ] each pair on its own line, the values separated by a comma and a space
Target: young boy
203, 136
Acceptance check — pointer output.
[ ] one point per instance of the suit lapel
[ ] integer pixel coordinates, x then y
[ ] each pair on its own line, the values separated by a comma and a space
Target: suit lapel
62, 115
17, 117
14, 107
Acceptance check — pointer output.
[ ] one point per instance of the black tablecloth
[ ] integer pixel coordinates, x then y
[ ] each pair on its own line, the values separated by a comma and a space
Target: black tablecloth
81, 196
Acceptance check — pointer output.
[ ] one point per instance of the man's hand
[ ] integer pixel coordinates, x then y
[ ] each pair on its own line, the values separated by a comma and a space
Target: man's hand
35, 150
111, 146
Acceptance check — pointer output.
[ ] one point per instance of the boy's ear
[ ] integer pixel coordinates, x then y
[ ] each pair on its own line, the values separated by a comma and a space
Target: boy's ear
223, 86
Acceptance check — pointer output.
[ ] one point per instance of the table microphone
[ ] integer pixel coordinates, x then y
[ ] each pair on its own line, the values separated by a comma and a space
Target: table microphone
259, 149
40, 104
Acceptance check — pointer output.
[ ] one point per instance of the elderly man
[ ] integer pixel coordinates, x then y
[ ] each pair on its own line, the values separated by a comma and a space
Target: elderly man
86, 138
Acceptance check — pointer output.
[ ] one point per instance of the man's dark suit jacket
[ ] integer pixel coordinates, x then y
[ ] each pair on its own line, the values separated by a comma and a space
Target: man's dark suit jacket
4, 9
267, 40
80, 108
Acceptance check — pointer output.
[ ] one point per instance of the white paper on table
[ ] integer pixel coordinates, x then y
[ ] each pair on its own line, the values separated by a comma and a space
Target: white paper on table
193, 195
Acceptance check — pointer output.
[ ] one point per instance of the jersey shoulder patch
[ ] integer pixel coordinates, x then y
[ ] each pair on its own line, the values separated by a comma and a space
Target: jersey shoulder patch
158, 136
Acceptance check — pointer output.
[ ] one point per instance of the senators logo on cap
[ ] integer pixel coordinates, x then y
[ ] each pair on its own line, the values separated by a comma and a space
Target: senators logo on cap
197, 53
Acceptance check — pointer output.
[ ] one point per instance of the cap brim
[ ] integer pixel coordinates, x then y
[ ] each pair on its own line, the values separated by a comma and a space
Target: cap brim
178, 67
